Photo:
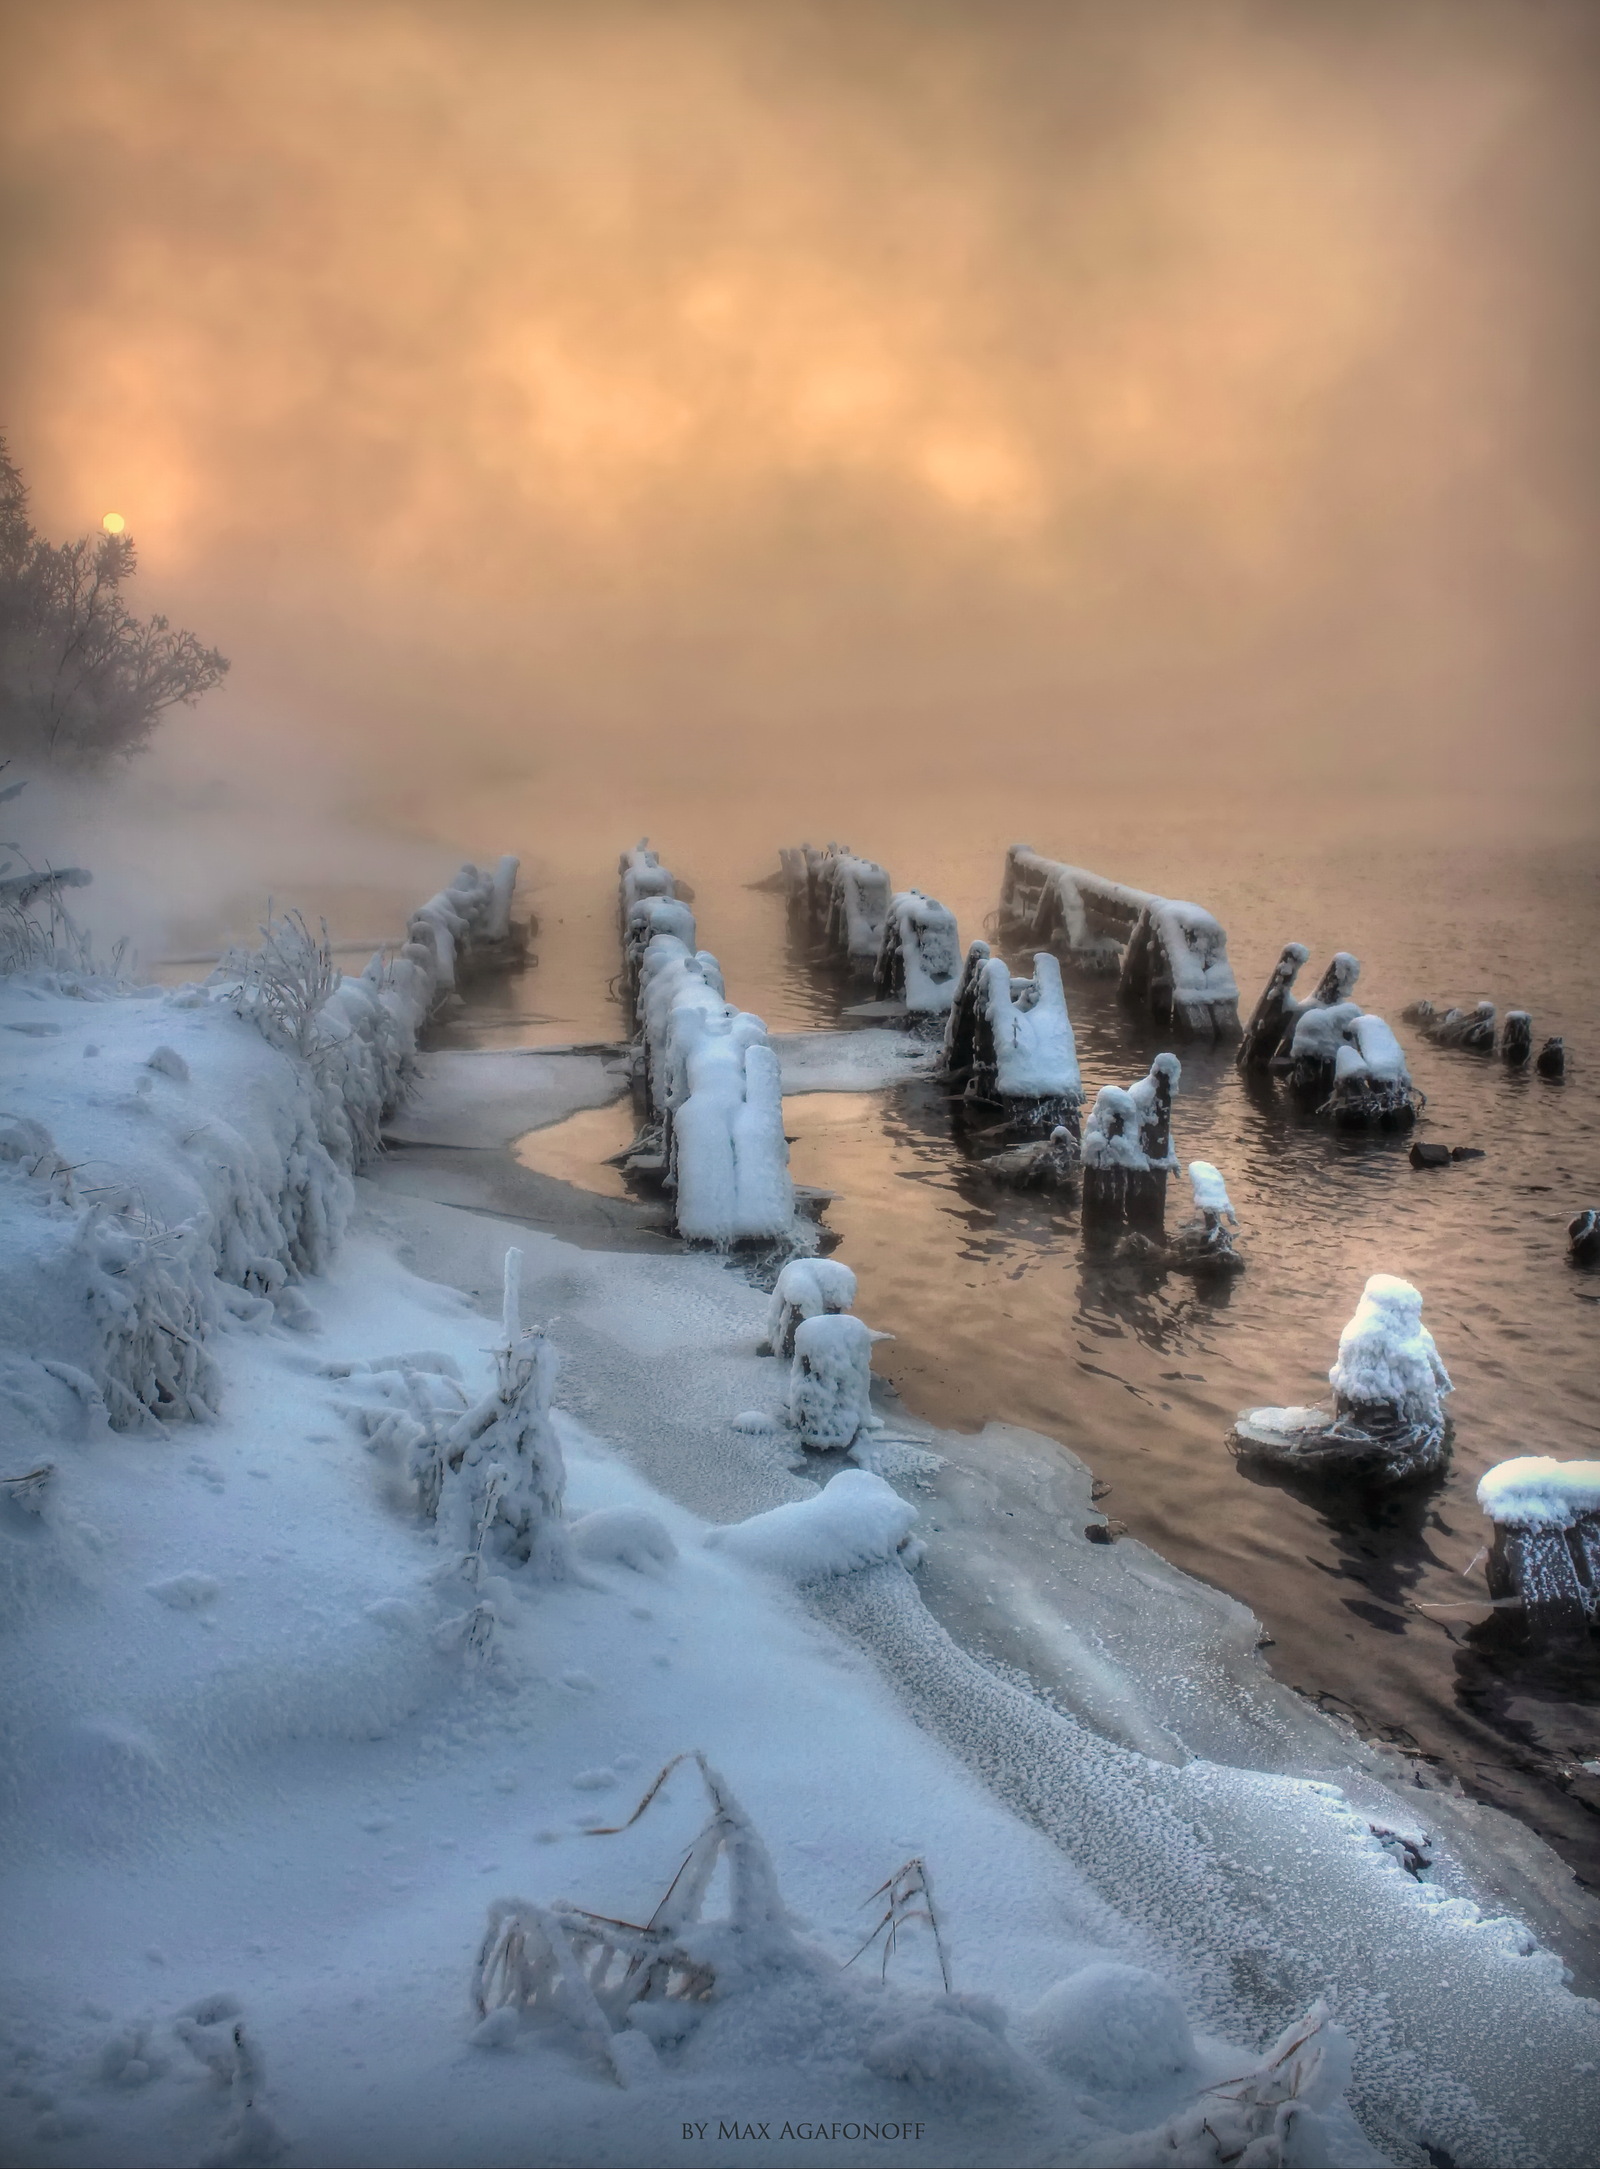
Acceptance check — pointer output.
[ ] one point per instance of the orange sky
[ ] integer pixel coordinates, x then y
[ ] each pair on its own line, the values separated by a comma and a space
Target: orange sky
1122, 391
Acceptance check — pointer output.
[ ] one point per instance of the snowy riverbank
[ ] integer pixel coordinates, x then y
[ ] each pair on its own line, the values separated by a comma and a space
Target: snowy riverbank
251, 1753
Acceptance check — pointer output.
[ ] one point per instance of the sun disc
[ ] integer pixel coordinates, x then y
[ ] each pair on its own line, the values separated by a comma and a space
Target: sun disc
113, 523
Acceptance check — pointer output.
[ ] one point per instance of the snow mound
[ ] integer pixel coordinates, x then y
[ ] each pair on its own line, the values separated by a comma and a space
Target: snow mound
1111, 2028
855, 1521
629, 1536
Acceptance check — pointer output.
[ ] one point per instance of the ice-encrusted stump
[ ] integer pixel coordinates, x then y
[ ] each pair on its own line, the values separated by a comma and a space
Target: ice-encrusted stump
1047, 1163
1551, 1060
919, 958
1546, 1547
1009, 1043
848, 902
830, 1381
1270, 1033
1583, 1237
1127, 1150
1387, 1423
1341, 1056
1171, 957
806, 1288
1205, 1244
1516, 1038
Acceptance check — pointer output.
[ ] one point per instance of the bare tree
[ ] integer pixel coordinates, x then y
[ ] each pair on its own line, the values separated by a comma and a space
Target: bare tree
81, 678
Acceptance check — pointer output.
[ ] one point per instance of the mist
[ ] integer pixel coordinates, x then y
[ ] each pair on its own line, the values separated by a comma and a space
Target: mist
569, 418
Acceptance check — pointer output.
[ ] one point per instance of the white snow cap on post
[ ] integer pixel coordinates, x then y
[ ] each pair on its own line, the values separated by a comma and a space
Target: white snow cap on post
830, 1384
1387, 1354
1036, 1056
1111, 1134
1533, 1491
1210, 1191
730, 1157
920, 959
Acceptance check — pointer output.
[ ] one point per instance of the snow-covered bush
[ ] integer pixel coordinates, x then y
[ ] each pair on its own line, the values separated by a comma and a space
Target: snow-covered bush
1287, 2113
806, 1288
830, 1380
504, 1478
919, 958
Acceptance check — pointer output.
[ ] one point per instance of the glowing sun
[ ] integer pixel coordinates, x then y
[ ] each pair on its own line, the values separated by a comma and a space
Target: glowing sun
113, 523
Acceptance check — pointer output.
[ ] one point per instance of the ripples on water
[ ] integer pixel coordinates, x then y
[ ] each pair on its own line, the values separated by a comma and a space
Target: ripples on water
998, 1313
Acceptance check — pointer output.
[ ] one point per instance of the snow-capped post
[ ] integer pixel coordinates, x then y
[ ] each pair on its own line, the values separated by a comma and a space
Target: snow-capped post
1154, 1095
450, 935
1387, 1423
1545, 1551
1009, 1043
505, 1480
1120, 1186
806, 1288
1205, 1244
1583, 1237
844, 901
1516, 1038
1171, 957
830, 1380
1275, 1010
1345, 1059
1551, 1060
919, 958
650, 901
712, 1088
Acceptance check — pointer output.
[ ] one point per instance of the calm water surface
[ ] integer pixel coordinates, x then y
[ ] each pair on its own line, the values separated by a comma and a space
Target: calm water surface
998, 1313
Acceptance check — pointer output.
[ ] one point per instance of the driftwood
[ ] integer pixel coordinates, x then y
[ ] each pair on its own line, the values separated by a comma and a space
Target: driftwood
1171, 958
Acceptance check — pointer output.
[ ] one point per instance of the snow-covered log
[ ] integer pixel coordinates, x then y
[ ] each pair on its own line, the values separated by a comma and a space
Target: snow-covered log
1387, 1423
1171, 957
830, 1381
1472, 1028
1044, 1163
1009, 1042
919, 958
1546, 1546
806, 1288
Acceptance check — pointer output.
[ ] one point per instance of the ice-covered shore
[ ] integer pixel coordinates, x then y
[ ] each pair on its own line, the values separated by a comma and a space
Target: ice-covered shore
250, 1752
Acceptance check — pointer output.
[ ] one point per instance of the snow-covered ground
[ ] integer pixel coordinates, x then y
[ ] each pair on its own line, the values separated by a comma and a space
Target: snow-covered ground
261, 1770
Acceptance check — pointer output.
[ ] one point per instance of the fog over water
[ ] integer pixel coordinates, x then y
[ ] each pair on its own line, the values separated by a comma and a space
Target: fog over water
626, 404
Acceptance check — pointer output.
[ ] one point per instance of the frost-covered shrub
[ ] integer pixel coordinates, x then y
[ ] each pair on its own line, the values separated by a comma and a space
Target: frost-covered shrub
505, 1478
1287, 2113
830, 1380
806, 1288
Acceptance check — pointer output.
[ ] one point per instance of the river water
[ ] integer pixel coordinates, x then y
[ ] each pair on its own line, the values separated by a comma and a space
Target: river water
998, 1313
